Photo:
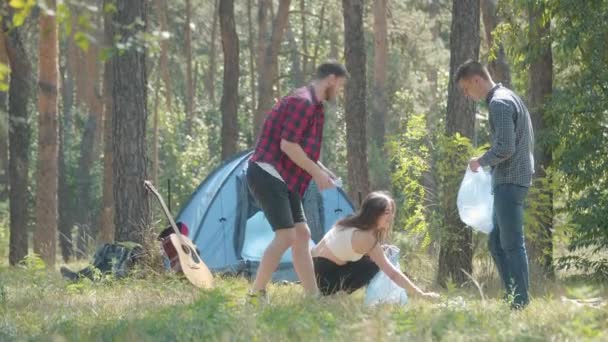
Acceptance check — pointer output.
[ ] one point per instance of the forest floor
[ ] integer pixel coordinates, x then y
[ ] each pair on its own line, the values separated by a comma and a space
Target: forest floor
37, 304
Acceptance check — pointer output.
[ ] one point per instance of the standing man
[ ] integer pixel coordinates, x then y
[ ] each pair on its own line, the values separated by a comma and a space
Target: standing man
512, 160
285, 159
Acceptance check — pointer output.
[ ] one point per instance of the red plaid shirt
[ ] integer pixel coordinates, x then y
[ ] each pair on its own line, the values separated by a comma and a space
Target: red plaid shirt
296, 118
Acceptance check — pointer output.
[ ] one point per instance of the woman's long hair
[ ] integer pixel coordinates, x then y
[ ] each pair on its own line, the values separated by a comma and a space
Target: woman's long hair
366, 218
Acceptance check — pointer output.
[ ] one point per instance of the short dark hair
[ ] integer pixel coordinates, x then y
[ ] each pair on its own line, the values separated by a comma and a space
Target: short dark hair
331, 68
469, 69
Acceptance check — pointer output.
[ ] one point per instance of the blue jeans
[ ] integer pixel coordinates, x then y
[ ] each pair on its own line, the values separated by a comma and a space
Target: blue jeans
506, 241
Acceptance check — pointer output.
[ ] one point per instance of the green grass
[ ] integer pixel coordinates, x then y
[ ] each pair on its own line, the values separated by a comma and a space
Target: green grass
38, 305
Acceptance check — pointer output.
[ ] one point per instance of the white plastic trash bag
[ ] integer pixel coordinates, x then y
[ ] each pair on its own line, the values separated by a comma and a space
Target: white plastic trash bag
475, 200
382, 289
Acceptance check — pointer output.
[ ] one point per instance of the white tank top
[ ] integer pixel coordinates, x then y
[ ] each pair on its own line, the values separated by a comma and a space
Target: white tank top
339, 242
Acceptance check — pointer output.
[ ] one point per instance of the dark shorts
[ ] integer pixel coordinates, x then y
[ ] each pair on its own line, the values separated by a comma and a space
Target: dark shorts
349, 277
283, 208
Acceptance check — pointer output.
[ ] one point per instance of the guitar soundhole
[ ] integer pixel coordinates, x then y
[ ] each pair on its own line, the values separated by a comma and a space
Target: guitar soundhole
191, 253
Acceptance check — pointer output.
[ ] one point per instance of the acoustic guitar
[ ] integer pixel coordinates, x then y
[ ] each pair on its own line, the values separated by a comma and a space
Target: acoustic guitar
190, 262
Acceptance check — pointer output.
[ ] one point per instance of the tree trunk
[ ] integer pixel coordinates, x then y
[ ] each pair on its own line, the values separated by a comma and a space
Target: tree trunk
380, 61
210, 84
46, 196
315, 54
333, 37
263, 36
93, 95
161, 10
189, 82
540, 89
456, 252
3, 126
78, 59
106, 229
277, 93
355, 108
464, 45
268, 68
379, 96
65, 195
230, 94
80, 77
65, 221
18, 142
89, 151
498, 66
252, 68
304, 38
429, 176
155, 134
296, 70
84, 184
72, 61
3, 142
129, 115
195, 80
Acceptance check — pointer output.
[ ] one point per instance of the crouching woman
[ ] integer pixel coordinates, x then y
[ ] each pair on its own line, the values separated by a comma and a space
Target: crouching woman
351, 254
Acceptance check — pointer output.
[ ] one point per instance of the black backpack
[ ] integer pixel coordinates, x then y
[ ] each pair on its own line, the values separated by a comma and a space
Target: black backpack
116, 258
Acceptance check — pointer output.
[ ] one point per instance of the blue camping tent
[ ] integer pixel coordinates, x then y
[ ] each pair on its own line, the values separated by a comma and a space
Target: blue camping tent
232, 232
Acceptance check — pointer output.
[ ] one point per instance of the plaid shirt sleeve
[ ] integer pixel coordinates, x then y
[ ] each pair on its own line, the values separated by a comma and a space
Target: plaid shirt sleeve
298, 115
503, 127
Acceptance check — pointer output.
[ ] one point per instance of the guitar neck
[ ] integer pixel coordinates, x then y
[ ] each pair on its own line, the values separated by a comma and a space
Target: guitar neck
169, 217
164, 207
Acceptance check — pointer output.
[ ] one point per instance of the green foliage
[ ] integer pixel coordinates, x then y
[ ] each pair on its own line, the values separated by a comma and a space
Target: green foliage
37, 270
64, 16
81, 40
410, 154
4, 72
34, 263
578, 115
110, 8
333, 151
418, 34
575, 119
22, 8
418, 153
165, 307
379, 167
184, 159
539, 210
4, 229
452, 156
